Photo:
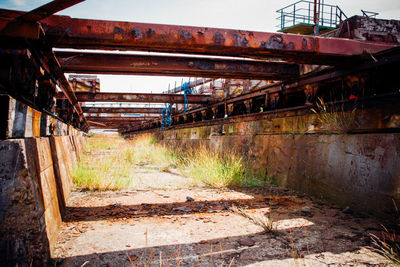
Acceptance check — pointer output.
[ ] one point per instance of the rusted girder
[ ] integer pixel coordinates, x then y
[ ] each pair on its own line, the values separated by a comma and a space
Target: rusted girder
119, 119
26, 25
100, 63
66, 32
122, 115
121, 110
139, 98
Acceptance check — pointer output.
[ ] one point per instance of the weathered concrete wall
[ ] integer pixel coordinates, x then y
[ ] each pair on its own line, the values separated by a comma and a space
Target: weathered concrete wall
40, 155
35, 184
357, 170
65, 152
22, 219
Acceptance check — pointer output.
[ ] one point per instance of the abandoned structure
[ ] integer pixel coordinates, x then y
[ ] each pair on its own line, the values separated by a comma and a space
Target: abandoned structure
320, 113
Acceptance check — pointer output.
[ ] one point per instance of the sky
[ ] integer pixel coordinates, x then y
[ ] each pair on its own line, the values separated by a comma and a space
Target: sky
255, 15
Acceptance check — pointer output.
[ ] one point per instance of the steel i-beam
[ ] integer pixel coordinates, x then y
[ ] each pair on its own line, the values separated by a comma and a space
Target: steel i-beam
139, 98
101, 63
66, 32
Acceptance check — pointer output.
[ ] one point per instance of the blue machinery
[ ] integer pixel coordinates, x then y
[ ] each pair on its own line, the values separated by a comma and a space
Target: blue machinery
167, 111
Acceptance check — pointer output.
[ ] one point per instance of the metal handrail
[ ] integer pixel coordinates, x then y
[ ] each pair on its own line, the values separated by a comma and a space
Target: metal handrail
302, 12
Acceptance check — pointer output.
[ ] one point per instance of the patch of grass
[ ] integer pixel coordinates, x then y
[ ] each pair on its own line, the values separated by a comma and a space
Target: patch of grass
218, 170
106, 171
101, 142
266, 223
95, 178
334, 120
146, 150
113, 169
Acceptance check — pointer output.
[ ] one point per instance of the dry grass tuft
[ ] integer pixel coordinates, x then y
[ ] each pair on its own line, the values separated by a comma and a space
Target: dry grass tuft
387, 245
266, 223
334, 120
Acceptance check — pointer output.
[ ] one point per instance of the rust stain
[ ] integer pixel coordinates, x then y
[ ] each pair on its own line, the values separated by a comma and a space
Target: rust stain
36, 123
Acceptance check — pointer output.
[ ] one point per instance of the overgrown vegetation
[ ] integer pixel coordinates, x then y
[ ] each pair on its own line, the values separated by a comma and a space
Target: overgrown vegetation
99, 170
101, 142
214, 169
146, 150
333, 119
109, 164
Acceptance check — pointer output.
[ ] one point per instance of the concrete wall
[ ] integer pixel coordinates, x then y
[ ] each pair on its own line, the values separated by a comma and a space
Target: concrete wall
357, 170
35, 184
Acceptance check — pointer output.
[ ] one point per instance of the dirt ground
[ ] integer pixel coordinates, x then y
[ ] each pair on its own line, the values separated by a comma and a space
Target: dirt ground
162, 220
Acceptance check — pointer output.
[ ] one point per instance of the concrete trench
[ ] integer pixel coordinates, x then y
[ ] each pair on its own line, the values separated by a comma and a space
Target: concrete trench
359, 170
271, 125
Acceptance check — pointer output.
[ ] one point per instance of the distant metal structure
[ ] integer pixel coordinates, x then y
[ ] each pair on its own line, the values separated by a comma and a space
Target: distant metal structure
302, 16
369, 14
84, 83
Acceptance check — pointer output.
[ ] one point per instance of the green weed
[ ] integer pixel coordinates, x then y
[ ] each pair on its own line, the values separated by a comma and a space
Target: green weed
107, 171
214, 169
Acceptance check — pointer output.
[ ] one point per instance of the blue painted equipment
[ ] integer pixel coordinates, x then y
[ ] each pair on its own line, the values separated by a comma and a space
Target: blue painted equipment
187, 90
166, 113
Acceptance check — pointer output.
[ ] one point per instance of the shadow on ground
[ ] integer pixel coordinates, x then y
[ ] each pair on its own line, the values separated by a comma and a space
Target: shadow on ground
207, 233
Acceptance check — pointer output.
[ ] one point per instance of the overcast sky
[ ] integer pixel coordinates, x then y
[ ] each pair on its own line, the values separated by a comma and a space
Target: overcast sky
256, 15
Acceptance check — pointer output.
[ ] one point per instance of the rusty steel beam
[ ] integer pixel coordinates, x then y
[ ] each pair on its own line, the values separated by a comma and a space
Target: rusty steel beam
100, 63
66, 32
122, 115
121, 110
119, 119
139, 98
26, 24
97, 34
47, 10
